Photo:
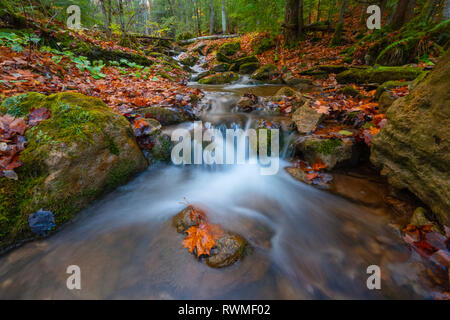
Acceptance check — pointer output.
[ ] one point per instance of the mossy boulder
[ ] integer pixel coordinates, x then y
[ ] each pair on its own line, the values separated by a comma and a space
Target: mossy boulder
189, 59
221, 58
82, 151
385, 101
264, 45
221, 67
248, 68
378, 74
245, 60
413, 149
220, 78
266, 72
229, 49
324, 69
332, 152
166, 116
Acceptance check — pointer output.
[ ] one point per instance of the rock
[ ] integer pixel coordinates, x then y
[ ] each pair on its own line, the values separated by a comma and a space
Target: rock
349, 91
287, 92
153, 124
378, 75
291, 80
306, 118
188, 59
199, 47
229, 249
221, 67
266, 72
324, 69
298, 174
161, 150
386, 86
166, 116
220, 78
183, 221
419, 218
248, 68
81, 152
332, 152
246, 104
385, 101
229, 49
245, 60
200, 75
413, 149
220, 57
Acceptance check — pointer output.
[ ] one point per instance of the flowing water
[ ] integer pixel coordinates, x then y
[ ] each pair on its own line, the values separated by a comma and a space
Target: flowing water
305, 243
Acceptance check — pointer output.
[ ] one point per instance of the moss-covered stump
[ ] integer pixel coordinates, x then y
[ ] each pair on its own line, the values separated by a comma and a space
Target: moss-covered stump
166, 116
229, 49
265, 73
220, 78
82, 151
378, 75
413, 149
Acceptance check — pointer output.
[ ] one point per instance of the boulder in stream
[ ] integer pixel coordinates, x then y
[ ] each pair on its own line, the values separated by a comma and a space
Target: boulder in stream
81, 152
266, 72
307, 118
221, 67
220, 78
166, 116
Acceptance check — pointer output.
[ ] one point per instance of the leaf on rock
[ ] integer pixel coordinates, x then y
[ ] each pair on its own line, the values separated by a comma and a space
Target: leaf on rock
199, 238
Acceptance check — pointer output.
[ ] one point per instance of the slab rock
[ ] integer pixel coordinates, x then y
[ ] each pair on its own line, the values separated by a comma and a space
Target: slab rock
413, 149
307, 118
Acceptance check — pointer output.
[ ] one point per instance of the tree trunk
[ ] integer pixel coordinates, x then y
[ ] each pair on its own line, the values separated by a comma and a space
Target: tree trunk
171, 7
362, 20
318, 12
336, 41
410, 12
121, 18
224, 19
211, 16
400, 14
109, 12
105, 18
291, 24
301, 23
331, 9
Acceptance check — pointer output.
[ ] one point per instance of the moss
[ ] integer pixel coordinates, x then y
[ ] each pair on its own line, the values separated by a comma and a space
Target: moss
219, 78
230, 48
389, 85
349, 91
265, 72
245, 60
378, 74
162, 147
68, 138
248, 68
336, 41
220, 57
264, 45
8, 18
399, 52
325, 147
20, 105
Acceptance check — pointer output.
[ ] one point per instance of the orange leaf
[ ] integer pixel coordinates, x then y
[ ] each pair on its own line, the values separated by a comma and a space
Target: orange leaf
200, 238
319, 165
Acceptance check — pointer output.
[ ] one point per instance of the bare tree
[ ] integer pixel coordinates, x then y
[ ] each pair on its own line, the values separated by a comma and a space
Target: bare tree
224, 19
211, 17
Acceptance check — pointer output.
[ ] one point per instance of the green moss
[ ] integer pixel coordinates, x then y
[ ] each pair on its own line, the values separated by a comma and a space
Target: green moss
349, 91
378, 74
20, 105
264, 45
325, 147
230, 48
399, 52
219, 78
336, 41
162, 147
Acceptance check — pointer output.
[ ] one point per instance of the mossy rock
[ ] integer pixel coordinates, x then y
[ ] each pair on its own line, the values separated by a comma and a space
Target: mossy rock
220, 57
245, 60
220, 78
81, 152
161, 147
413, 148
378, 74
221, 67
324, 69
389, 85
265, 72
248, 68
229, 49
189, 59
349, 91
166, 116
264, 45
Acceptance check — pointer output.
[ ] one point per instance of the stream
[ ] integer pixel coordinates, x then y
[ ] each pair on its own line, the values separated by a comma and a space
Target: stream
305, 243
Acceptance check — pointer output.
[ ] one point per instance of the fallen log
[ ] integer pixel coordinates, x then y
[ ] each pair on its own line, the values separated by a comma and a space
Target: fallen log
215, 37
319, 27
